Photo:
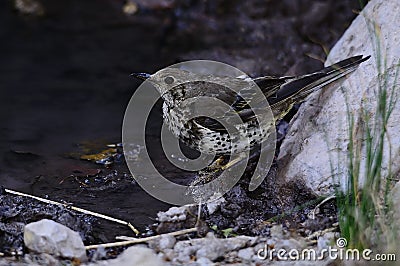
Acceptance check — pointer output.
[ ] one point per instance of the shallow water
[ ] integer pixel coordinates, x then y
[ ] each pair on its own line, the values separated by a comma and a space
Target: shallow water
65, 81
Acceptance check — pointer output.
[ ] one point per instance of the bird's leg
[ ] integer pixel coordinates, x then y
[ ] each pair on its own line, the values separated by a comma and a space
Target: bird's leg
237, 158
220, 165
212, 171
217, 164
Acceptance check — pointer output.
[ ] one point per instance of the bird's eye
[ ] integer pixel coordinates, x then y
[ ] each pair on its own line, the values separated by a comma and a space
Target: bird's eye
169, 80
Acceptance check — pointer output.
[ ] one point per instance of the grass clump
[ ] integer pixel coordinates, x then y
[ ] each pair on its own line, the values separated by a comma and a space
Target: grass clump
365, 208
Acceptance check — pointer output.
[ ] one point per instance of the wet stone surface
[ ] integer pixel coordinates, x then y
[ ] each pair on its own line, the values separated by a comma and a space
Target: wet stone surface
16, 212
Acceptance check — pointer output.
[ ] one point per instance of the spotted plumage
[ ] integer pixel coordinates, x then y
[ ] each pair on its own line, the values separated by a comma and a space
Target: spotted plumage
206, 133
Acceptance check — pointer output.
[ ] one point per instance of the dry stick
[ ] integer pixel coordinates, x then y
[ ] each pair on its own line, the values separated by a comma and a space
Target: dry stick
75, 209
312, 213
132, 240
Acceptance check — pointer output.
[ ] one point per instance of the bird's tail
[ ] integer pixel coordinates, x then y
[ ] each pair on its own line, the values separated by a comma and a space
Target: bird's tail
299, 88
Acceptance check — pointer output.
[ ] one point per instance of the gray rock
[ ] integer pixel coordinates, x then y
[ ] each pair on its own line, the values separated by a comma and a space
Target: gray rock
204, 262
99, 253
168, 254
34, 259
181, 258
314, 151
43, 259
232, 255
246, 253
187, 247
47, 236
173, 214
167, 242
133, 256
212, 249
276, 231
325, 241
162, 243
212, 206
238, 242
289, 244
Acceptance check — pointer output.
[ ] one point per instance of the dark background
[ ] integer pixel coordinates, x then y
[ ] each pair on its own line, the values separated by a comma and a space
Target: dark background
64, 78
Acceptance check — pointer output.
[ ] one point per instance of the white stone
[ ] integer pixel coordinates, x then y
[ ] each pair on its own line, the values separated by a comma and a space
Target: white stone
315, 149
213, 205
47, 236
325, 241
204, 262
173, 214
133, 256
166, 242
289, 244
276, 231
210, 247
246, 253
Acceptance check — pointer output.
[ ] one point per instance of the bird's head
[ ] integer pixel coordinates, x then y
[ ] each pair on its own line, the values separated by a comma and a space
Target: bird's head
167, 79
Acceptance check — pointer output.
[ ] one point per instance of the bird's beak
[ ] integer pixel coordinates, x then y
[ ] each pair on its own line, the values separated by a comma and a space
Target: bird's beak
141, 76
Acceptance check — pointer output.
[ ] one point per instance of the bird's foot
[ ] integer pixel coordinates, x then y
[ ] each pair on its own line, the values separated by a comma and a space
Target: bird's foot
214, 170
217, 164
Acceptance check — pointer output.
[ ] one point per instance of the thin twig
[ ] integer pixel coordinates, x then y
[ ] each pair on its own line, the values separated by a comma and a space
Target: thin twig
99, 215
132, 240
312, 213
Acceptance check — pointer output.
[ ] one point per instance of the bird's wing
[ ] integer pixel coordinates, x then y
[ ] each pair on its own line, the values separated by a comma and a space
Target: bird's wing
210, 123
282, 92
269, 85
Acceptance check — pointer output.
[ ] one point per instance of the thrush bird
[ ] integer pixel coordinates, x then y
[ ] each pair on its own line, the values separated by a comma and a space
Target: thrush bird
208, 134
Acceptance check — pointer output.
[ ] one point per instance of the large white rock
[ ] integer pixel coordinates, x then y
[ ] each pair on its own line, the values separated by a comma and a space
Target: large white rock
47, 236
315, 149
